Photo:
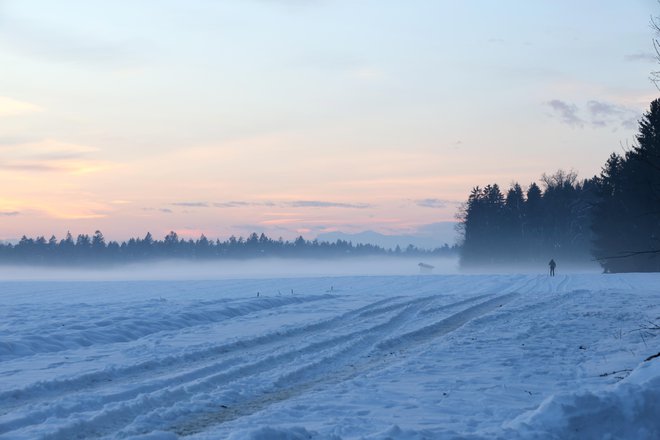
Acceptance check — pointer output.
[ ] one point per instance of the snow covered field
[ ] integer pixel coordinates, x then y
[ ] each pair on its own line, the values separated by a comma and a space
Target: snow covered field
375, 357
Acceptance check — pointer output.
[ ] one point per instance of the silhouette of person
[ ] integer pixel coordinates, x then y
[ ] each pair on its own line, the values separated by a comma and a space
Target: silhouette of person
552, 265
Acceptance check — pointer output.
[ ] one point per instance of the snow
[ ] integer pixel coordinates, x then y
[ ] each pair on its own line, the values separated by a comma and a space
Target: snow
352, 357
630, 409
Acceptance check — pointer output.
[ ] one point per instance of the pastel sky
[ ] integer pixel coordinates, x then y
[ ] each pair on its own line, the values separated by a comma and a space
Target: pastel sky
303, 116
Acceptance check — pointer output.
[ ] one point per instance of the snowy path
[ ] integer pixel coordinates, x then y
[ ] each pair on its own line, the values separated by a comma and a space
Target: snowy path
346, 357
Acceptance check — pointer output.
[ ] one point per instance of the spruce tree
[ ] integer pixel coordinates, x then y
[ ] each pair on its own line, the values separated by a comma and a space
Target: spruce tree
626, 223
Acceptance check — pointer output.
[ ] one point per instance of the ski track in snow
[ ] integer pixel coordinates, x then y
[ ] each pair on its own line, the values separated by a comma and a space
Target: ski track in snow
156, 360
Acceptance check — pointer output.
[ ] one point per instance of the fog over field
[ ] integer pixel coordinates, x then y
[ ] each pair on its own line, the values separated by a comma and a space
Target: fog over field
277, 268
235, 269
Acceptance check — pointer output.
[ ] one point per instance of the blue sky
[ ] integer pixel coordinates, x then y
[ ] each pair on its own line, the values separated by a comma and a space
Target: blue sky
293, 116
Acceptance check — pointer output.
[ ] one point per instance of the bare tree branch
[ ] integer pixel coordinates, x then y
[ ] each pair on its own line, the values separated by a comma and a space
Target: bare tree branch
628, 254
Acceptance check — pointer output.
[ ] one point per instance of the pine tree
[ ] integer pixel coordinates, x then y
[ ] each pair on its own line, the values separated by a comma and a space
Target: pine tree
626, 223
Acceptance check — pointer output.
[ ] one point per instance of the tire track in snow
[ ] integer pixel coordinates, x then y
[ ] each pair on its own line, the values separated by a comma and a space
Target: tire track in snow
446, 325
45, 391
458, 303
114, 416
562, 286
350, 365
178, 368
119, 328
94, 383
88, 415
557, 301
526, 285
135, 372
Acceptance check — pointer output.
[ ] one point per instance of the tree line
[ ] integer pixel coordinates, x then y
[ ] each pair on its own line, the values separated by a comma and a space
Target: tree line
612, 218
86, 249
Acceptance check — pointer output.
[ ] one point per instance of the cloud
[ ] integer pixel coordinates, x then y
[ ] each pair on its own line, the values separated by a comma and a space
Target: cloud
14, 107
292, 204
642, 56
191, 204
434, 203
282, 221
236, 204
9, 213
31, 166
599, 114
566, 112
321, 204
599, 108
231, 204
81, 216
605, 114
630, 123
165, 210
48, 155
44, 166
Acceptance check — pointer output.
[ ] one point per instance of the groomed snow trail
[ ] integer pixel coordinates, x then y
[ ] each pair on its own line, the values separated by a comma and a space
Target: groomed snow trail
219, 361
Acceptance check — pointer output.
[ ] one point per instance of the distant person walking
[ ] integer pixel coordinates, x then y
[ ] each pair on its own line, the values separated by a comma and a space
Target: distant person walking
552, 265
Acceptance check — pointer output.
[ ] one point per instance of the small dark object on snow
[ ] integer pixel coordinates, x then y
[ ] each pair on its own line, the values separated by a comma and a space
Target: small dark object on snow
652, 357
552, 265
425, 268
615, 372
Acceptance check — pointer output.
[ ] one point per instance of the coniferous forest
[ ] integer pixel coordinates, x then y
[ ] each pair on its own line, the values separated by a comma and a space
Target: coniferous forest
612, 218
86, 250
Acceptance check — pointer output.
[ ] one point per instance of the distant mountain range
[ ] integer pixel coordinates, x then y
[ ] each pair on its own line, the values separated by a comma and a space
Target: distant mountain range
429, 236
